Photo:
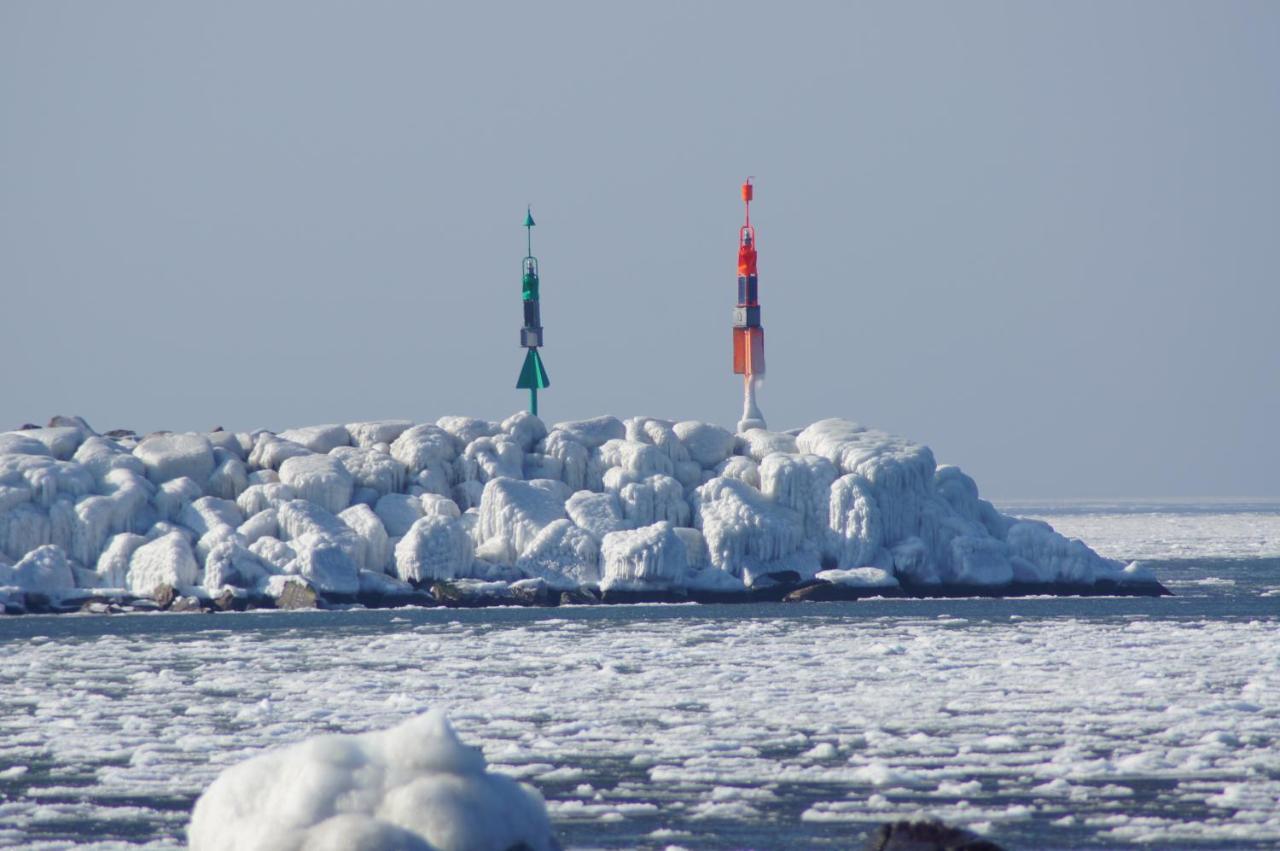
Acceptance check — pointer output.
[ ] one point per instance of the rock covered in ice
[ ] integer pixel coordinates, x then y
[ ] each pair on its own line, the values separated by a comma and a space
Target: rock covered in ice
465, 430
21, 443
596, 513
113, 564
525, 429
366, 435
167, 560
652, 557
859, 577
172, 456
708, 445
230, 564
517, 511
757, 443
321, 438
375, 545
747, 534
563, 555
58, 442
434, 548
371, 469
592, 433
327, 563
424, 447
398, 511
320, 479
269, 451
414, 787
44, 570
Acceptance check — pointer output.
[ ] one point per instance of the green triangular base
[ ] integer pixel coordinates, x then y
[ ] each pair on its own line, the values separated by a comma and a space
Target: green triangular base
533, 375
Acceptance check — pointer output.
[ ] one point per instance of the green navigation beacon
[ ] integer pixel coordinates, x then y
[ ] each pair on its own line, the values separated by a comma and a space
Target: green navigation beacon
533, 375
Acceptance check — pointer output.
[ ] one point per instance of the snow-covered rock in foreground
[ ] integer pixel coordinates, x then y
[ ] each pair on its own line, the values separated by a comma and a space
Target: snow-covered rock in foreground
414, 787
637, 504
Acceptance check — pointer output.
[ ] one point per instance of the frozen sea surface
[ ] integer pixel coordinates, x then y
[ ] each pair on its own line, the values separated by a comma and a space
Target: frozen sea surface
1042, 722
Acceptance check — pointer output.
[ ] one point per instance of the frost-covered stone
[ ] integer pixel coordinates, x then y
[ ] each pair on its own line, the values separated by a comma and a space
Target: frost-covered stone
465, 430
659, 434
573, 456
859, 577
320, 479
167, 560
424, 447
320, 438
652, 557
228, 480
113, 564
260, 497
747, 535
100, 455
175, 495
596, 513
654, 499
367, 434
44, 570
372, 469
398, 512
21, 443
172, 456
375, 549
592, 433
209, 513
414, 787
275, 553
487, 458
59, 442
327, 564
441, 506
1058, 558
264, 524
757, 443
742, 469
229, 563
516, 511
563, 555
803, 484
434, 548
855, 519
23, 528
525, 429
695, 547
269, 452
708, 445
640, 459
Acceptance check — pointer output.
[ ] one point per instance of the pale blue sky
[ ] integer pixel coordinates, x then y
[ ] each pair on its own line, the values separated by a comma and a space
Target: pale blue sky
1042, 238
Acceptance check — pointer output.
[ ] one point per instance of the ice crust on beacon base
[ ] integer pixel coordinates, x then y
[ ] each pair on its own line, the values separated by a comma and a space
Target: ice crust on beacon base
635, 505
414, 787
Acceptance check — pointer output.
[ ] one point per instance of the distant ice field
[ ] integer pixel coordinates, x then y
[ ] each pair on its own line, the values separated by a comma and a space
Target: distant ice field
1136, 529
1044, 723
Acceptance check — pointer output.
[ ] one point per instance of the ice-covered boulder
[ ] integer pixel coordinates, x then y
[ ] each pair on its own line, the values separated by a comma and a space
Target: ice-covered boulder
264, 524
747, 534
424, 447
320, 438
23, 528
757, 443
229, 478
653, 499
100, 455
167, 560
21, 443
740, 468
260, 497
366, 435
563, 555
464, 430
525, 429
487, 458
172, 456
649, 558
229, 563
414, 787
517, 511
592, 433
859, 577
659, 434
803, 484
113, 564
371, 469
375, 549
320, 479
596, 513
270, 452
398, 511
708, 445
327, 563
854, 517
1056, 558
434, 548
44, 570
572, 456
59, 442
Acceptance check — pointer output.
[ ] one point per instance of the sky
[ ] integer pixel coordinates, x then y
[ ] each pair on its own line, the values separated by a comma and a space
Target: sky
1042, 238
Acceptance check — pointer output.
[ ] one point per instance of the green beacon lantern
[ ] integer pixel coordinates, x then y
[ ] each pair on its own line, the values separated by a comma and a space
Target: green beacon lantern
533, 375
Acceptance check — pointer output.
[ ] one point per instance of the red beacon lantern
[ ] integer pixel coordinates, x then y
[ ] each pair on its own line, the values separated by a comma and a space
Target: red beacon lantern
748, 333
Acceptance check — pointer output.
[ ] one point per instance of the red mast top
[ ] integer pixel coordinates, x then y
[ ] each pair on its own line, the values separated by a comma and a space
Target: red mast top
747, 236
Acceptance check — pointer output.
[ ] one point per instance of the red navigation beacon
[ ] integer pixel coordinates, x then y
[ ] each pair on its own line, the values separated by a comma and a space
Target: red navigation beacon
748, 333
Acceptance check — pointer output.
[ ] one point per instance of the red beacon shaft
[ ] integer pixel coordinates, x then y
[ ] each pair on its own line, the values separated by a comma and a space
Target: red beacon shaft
748, 333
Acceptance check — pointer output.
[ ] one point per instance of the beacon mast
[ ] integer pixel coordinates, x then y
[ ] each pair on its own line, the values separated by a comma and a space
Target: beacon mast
748, 333
533, 375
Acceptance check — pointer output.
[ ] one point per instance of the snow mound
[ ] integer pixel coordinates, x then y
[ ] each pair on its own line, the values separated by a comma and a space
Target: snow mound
414, 787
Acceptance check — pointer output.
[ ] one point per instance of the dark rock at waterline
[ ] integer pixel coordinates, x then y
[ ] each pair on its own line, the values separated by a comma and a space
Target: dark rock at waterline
374, 600
185, 604
164, 595
120, 432
614, 595
296, 595
929, 835
579, 597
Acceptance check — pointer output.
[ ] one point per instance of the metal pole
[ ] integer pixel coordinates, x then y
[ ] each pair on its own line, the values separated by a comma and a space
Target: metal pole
533, 401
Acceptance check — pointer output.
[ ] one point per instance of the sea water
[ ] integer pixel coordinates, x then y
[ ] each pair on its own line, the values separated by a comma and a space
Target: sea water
1041, 723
